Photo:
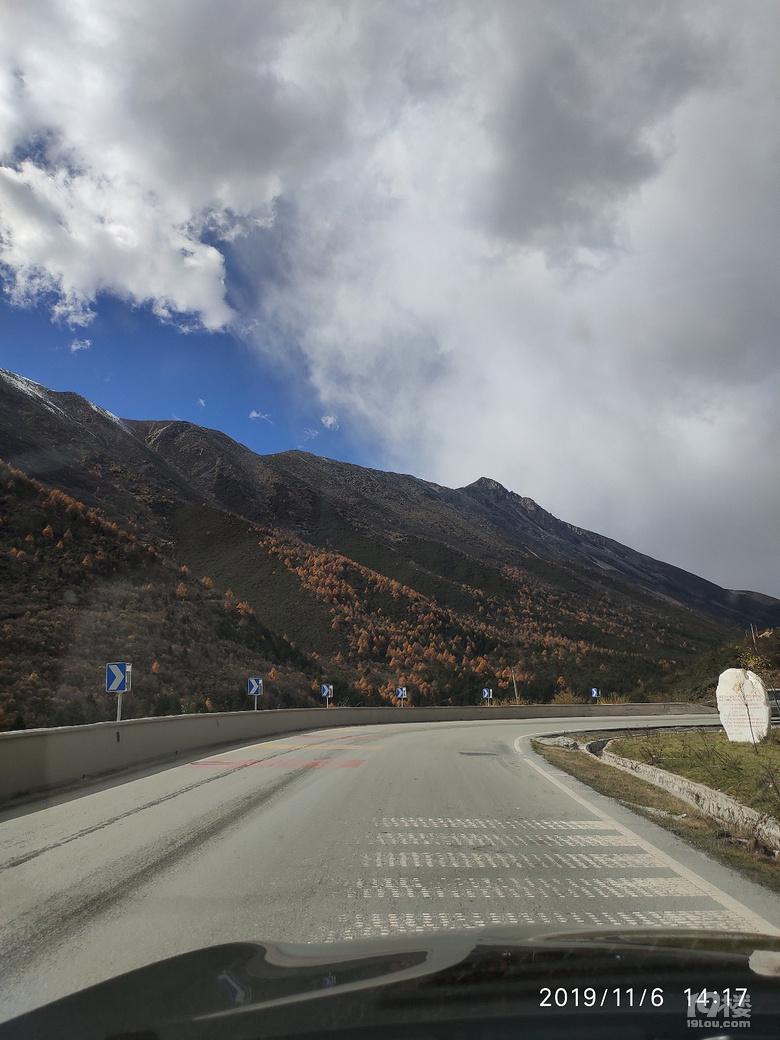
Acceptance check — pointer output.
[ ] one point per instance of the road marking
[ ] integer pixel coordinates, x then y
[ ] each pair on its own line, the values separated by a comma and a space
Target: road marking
509, 860
488, 839
524, 888
586, 890
358, 926
591, 873
488, 823
733, 906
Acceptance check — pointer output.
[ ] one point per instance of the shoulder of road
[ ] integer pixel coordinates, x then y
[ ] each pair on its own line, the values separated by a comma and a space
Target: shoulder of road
742, 832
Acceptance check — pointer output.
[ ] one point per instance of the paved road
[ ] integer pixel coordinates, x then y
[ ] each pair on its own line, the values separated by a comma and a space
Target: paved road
334, 835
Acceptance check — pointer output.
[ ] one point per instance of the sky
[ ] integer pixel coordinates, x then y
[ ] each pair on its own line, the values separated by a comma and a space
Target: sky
535, 240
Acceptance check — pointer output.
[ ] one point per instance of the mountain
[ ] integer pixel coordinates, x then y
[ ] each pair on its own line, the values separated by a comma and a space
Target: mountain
140, 470
377, 578
349, 507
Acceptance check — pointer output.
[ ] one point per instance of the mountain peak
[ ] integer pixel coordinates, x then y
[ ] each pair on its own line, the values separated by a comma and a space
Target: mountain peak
30, 389
490, 493
488, 484
144, 470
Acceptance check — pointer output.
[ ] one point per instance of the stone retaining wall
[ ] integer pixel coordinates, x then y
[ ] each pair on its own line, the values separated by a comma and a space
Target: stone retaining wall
721, 807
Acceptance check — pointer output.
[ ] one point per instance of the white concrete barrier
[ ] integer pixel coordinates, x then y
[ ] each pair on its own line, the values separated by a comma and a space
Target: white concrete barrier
44, 759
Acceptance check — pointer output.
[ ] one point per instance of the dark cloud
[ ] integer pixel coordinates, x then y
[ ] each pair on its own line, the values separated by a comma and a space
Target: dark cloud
574, 126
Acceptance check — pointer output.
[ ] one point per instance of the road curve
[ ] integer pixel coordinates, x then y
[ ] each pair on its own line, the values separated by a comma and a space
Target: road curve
333, 835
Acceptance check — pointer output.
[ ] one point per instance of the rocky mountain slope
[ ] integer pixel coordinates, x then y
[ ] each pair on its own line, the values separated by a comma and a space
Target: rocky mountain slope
138, 471
379, 579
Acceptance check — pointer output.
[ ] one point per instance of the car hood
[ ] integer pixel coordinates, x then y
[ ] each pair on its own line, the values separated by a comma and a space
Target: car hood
246, 989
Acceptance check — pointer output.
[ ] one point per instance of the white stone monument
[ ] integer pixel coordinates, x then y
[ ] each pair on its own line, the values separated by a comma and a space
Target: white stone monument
743, 704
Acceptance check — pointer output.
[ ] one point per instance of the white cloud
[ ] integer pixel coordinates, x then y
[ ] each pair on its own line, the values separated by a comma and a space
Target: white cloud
254, 414
531, 241
79, 344
330, 422
201, 402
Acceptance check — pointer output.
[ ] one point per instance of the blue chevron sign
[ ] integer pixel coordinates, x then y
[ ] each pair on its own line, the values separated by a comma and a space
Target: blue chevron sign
116, 677
255, 687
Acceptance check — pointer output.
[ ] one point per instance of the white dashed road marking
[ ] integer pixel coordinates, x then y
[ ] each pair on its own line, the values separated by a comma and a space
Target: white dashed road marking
358, 926
506, 860
491, 872
491, 839
749, 920
524, 888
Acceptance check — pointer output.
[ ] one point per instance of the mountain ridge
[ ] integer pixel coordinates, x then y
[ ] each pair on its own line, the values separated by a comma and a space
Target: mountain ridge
176, 547
138, 469
539, 527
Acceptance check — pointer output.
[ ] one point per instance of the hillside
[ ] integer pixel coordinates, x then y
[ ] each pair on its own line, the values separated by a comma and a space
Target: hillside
354, 510
79, 591
203, 563
140, 471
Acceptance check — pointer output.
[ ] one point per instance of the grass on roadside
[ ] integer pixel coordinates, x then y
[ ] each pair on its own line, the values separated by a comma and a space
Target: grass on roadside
667, 811
750, 773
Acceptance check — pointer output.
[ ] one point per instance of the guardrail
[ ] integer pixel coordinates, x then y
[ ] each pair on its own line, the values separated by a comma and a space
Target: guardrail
44, 759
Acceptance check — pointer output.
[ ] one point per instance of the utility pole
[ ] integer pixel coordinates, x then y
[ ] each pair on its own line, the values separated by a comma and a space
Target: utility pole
514, 683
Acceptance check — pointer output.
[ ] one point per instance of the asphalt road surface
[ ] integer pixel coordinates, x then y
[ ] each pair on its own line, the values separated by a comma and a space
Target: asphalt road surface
335, 835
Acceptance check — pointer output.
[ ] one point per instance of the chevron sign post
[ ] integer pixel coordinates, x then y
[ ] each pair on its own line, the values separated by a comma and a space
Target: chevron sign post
327, 692
487, 696
400, 692
255, 687
118, 680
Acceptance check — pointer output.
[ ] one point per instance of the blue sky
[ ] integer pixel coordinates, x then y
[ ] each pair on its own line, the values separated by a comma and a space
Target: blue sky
535, 242
137, 367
